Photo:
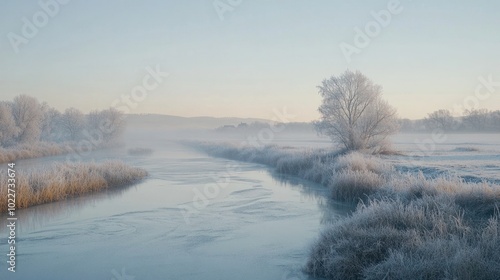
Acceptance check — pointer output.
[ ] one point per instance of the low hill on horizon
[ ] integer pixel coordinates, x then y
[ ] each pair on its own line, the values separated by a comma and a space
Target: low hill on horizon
176, 122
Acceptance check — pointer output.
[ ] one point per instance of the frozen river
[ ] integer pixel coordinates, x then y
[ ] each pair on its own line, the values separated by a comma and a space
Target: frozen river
194, 217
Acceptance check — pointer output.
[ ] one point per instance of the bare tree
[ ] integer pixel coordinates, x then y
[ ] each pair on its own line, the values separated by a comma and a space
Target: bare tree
353, 113
8, 129
73, 123
441, 119
50, 124
25, 120
27, 114
494, 121
110, 123
476, 119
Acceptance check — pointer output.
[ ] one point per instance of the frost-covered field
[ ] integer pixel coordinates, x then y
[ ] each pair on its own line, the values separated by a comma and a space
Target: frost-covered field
474, 157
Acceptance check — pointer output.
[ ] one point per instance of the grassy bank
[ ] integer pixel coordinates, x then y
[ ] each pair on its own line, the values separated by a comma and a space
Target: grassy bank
40, 149
313, 165
351, 176
405, 227
416, 229
64, 180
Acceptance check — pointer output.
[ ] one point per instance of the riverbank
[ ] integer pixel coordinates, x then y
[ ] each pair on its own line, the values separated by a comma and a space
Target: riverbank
45, 149
64, 180
406, 226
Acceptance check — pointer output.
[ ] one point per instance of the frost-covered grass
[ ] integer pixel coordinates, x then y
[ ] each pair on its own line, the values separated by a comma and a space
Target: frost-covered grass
356, 176
406, 226
355, 185
38, 149
425, 238
411, 227
351, 176
64, 180
314, 165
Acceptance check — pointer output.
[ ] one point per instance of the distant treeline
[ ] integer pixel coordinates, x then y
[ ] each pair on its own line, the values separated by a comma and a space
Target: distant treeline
474, 120
25, 121
256, 126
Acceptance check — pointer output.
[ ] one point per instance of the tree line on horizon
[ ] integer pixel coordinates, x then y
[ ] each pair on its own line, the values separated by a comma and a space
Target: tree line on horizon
472, 120
26, 121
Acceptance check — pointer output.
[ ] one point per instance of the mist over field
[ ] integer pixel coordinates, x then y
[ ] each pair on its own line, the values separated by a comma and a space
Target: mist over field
224, 139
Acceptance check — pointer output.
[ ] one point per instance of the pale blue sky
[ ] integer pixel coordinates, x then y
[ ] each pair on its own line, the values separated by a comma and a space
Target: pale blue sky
264, 55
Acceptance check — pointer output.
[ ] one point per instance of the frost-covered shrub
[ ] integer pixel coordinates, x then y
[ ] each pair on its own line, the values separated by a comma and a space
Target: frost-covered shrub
355, 185
356, 161
426, 238
63, 180
40, 149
